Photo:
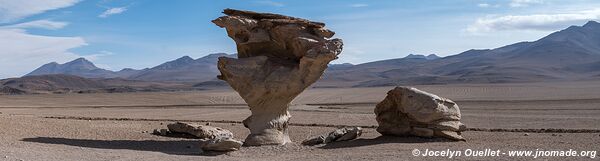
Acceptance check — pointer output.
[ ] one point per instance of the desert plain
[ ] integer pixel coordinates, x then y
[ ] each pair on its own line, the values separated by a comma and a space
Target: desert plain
118, 126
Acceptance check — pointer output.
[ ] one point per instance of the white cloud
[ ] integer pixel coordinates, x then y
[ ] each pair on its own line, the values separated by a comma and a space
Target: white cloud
270, 3
487, 5
93, 57
112, 11
43, 24
357, 5
11, 10
23, 52
543, 22
524, 3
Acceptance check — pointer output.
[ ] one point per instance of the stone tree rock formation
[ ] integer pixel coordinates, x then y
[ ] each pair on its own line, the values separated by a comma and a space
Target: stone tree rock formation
278, 58
409, 111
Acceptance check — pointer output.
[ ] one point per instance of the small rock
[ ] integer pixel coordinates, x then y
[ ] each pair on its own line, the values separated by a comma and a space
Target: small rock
161, 123
526, 134
220, 144
553, 134
314, 140
164, 132
189, 146
5, 156
208, 124
342, 134
200, 131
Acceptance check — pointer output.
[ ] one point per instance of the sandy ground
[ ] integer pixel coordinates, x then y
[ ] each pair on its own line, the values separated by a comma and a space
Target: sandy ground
113, 126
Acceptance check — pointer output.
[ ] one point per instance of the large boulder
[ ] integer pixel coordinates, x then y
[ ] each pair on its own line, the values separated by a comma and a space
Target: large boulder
410, 111
278, 58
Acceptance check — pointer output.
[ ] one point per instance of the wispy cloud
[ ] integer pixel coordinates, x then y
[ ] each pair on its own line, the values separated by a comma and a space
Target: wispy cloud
542, 22
487, 5
43, 24
270, 3
98, 55
112, 11
22, 52
524, 3
11, 10
357, 5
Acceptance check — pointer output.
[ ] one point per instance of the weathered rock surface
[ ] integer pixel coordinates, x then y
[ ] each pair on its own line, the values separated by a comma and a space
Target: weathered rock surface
200, 131
409, 111
278, 58
220, 144
343, 134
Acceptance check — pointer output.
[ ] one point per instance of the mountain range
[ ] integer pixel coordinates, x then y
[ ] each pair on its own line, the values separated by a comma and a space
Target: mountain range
569, 54
184, 69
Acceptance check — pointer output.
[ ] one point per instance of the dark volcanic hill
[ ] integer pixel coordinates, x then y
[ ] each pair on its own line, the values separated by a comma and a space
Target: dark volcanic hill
61, 83
569, 54
56, 83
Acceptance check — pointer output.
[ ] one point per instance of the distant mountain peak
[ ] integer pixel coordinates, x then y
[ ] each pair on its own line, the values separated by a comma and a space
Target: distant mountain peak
184, 58
432, 56
591, 24
80, 67
419, 56
215, 55
127, 69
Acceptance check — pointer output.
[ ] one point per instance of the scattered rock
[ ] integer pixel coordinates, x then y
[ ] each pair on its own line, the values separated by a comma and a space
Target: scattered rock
220, 144
164, 132
526, 134
342, 134
410, 111
161, 132
553, 134
278, 58
200, 131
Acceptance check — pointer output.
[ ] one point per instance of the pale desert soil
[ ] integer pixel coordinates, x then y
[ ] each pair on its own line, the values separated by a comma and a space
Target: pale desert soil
112, 126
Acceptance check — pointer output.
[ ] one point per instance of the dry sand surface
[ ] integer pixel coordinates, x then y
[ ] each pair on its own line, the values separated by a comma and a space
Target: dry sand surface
551, 116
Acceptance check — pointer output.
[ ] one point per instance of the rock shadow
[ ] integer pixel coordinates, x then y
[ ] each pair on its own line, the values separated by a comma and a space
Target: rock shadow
173, 147
381, 140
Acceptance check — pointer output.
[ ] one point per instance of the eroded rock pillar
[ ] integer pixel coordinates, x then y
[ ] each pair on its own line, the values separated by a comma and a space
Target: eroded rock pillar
278, 58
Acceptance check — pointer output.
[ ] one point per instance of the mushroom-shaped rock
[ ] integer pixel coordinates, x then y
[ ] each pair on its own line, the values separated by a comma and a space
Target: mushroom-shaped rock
409, 111
278, 58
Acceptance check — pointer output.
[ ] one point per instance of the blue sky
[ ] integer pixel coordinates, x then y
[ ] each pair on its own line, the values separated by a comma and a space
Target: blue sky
118, 34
